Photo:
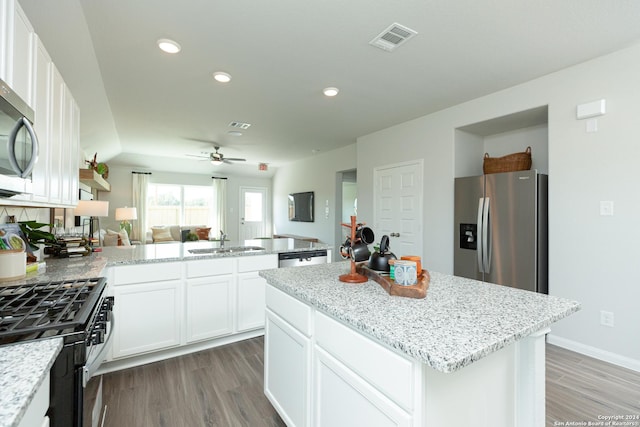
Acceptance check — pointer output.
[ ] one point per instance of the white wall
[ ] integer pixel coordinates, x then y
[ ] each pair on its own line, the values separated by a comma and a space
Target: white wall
120, 178
317, 174
592, 258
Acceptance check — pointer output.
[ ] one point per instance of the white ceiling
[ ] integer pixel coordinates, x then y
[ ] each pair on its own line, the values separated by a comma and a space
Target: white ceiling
144, 108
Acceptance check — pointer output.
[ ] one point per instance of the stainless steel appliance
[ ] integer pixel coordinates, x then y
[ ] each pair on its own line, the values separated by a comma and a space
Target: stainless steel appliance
18, 143
501, 229
79, 313
300, 259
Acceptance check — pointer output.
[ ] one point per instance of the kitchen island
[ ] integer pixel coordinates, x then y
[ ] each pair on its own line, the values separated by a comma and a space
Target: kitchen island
470, 353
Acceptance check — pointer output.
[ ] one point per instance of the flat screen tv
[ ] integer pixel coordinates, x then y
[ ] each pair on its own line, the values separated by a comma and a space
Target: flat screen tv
301, 207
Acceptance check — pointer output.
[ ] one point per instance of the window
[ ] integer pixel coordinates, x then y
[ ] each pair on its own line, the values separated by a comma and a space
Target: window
179, 204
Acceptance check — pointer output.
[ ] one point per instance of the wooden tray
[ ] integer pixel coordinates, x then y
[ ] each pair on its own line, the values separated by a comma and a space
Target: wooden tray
418, 290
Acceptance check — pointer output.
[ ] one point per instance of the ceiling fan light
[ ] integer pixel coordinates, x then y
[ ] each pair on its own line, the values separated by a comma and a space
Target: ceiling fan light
222, 77
216, 162
169, 46
330, 91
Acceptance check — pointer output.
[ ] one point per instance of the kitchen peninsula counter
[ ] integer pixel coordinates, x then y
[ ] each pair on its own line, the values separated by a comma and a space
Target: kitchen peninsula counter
93, 265
464, 332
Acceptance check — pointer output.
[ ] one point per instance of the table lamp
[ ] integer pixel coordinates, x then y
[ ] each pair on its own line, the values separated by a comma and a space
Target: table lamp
94, 209
124, 215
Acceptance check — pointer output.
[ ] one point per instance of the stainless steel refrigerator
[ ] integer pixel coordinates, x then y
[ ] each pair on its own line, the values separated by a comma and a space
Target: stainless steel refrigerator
501, 229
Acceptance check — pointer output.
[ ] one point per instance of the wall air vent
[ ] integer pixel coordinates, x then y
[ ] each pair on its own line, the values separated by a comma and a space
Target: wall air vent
392, 37
239, 125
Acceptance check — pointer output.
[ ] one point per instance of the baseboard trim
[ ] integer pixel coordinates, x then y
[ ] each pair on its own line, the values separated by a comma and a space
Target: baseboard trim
587, 350
157, 356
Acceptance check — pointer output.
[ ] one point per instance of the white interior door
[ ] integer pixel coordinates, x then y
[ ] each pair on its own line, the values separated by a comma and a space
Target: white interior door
398, 206
253, 213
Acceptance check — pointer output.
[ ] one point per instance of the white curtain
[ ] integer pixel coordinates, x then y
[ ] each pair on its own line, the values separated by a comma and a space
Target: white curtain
219, 206
139, 191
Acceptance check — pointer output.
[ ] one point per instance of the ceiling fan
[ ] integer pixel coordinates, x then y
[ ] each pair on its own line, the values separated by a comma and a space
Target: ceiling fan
217, 158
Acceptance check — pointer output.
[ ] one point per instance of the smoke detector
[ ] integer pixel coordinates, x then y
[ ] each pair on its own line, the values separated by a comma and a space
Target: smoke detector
392, 37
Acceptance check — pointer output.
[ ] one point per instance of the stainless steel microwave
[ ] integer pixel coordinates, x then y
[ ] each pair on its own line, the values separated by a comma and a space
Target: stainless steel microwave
18, 143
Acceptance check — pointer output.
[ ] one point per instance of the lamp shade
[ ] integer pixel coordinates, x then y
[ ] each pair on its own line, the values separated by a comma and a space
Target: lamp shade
92, 208
126, 214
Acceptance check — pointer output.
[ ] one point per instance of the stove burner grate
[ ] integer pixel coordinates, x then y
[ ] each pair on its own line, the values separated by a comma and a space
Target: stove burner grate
31, 308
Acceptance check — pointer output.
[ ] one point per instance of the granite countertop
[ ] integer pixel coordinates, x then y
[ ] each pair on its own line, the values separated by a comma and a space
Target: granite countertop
23, 367
94, 264
167, 252
459, 321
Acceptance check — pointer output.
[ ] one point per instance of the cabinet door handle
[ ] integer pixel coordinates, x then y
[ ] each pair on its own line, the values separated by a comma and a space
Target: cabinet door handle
395, 235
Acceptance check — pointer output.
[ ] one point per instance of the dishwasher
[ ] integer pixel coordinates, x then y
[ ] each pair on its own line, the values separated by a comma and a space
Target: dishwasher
302, 258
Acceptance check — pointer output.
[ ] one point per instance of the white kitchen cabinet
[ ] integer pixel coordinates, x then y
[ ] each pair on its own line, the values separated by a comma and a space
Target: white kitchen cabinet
42, 124
287, 353
27, 67
287, 372
251, 291
148, 317
344, 398
351, 380
208, 310
356, 377
209, 292
4, 40
20, 51
55, 136
69, 139
148, 308
36, 412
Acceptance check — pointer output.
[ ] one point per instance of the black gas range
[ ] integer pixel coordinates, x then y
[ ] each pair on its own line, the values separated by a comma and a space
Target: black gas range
75, 310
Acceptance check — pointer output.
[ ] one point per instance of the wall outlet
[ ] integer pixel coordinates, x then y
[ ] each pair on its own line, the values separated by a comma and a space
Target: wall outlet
606, 318
606, 208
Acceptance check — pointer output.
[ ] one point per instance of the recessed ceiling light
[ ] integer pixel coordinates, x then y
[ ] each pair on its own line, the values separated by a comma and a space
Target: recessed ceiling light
330, 91
235, 133
169, 46
222, 77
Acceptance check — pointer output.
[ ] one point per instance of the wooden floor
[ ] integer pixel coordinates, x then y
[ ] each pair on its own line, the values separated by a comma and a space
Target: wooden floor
224, 387
218, 387
580, 388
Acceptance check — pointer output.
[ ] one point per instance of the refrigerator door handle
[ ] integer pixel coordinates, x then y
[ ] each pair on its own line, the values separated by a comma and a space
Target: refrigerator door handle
480, 241
486, 237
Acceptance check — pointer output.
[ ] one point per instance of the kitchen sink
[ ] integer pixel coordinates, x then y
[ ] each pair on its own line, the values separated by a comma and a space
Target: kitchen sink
230, 249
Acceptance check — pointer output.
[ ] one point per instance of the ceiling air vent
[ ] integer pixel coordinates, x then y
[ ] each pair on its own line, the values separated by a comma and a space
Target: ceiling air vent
239, 125
392, 37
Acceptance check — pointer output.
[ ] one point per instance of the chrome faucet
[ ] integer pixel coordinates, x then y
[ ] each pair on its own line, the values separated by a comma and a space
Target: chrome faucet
222, 238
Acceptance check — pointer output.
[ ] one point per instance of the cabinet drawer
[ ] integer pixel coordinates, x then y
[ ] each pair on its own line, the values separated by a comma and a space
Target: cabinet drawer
209, 267
146, 273
290, 309
387, 371
257, 263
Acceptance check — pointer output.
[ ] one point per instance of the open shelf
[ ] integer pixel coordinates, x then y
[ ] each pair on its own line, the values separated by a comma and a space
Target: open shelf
94, 180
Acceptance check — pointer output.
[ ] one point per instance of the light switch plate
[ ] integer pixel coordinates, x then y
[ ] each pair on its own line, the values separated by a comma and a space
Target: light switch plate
606, 208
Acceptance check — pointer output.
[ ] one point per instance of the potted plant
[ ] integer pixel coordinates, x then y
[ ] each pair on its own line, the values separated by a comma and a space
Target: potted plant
35, 236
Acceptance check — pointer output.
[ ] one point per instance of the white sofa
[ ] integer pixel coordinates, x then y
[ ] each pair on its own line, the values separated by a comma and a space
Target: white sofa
171, 233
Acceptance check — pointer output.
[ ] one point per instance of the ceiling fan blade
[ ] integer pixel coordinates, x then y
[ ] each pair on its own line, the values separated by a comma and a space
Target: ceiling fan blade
235, 159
